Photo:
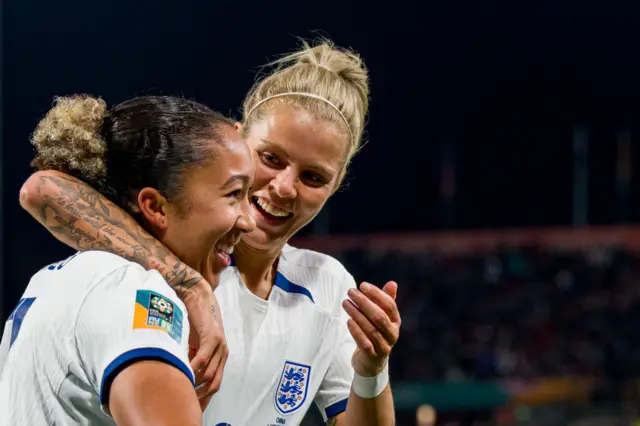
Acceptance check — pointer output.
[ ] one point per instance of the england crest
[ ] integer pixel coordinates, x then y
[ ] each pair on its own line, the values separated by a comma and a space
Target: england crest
291, 391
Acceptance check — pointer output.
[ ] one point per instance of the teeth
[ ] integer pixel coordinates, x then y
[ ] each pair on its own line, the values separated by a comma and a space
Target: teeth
223, 249
271, 209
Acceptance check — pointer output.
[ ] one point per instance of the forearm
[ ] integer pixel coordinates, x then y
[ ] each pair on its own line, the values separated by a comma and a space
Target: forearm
82, 218
378, 411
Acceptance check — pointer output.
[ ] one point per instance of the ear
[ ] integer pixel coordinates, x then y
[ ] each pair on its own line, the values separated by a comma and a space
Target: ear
153, 207
238, 126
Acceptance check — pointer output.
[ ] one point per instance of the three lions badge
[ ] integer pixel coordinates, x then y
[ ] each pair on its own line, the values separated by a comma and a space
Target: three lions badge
291, 391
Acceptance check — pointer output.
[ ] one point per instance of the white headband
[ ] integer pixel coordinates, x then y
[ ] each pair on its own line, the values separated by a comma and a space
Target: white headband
307, 95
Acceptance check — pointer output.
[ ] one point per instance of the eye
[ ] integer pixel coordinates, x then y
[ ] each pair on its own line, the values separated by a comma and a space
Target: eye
313, 179
235, 194
269, 159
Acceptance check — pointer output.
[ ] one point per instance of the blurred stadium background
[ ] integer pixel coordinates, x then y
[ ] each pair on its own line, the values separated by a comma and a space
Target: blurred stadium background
499, 186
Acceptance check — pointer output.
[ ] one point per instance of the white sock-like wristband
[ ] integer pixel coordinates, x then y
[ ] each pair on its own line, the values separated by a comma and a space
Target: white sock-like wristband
370, 387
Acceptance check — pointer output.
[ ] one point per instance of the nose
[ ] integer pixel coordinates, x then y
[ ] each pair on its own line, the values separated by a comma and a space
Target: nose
246, 223
284, 183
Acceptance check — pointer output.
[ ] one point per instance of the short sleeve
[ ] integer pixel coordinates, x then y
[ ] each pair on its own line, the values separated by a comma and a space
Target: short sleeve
128, 316
334, 390
4, 344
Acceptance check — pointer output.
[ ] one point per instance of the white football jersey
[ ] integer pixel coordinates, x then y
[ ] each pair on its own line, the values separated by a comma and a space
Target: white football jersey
288, 351
78, 322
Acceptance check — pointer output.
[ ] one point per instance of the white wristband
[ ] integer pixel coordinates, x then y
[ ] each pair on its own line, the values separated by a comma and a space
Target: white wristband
370, 387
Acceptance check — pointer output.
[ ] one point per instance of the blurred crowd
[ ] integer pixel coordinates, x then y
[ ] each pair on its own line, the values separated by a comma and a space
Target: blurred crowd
513, 313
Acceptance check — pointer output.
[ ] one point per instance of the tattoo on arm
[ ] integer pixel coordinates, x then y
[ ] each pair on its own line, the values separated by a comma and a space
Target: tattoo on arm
81, 217
333, 421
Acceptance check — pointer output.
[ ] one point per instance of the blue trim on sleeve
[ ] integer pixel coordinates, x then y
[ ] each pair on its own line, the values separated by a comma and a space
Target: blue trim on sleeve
289, 287
17, 316
139, 354
336, 408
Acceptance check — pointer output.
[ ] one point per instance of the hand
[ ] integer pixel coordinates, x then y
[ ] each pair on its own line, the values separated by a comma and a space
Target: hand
208, 349
374, 325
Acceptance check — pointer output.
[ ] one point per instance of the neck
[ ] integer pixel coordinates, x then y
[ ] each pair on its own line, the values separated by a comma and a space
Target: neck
257, 268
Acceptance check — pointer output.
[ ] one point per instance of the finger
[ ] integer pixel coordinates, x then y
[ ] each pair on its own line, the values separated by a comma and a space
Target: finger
221, 367
204, 354
217, 379
204, 402
214, 373
202, 360
381, 346
375, 314
364, 344
391, 288
197, 352
208, 375
383, 299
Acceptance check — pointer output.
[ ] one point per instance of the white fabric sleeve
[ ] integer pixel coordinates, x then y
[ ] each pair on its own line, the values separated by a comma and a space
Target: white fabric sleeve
334, 390
5, 342
130, 315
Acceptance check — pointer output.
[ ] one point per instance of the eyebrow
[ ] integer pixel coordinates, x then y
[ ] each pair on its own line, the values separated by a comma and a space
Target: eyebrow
244, 179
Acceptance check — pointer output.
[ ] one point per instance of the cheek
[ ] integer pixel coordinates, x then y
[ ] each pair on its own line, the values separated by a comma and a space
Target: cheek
312, 202
221, 219
262, 176
212, 219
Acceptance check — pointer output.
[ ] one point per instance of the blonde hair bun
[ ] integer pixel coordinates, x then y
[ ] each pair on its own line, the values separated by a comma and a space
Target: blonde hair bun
68, 138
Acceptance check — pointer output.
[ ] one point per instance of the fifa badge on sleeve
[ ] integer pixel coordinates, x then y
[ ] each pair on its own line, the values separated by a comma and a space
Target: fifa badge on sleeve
156, 312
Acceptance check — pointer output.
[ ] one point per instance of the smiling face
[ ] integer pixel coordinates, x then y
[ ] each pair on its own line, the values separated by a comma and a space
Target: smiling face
207, 220
298, 161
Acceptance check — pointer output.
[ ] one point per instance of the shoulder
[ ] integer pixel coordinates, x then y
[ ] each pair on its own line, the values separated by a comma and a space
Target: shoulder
98, 270
319, 264
79, 272
123, 288
91, 264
